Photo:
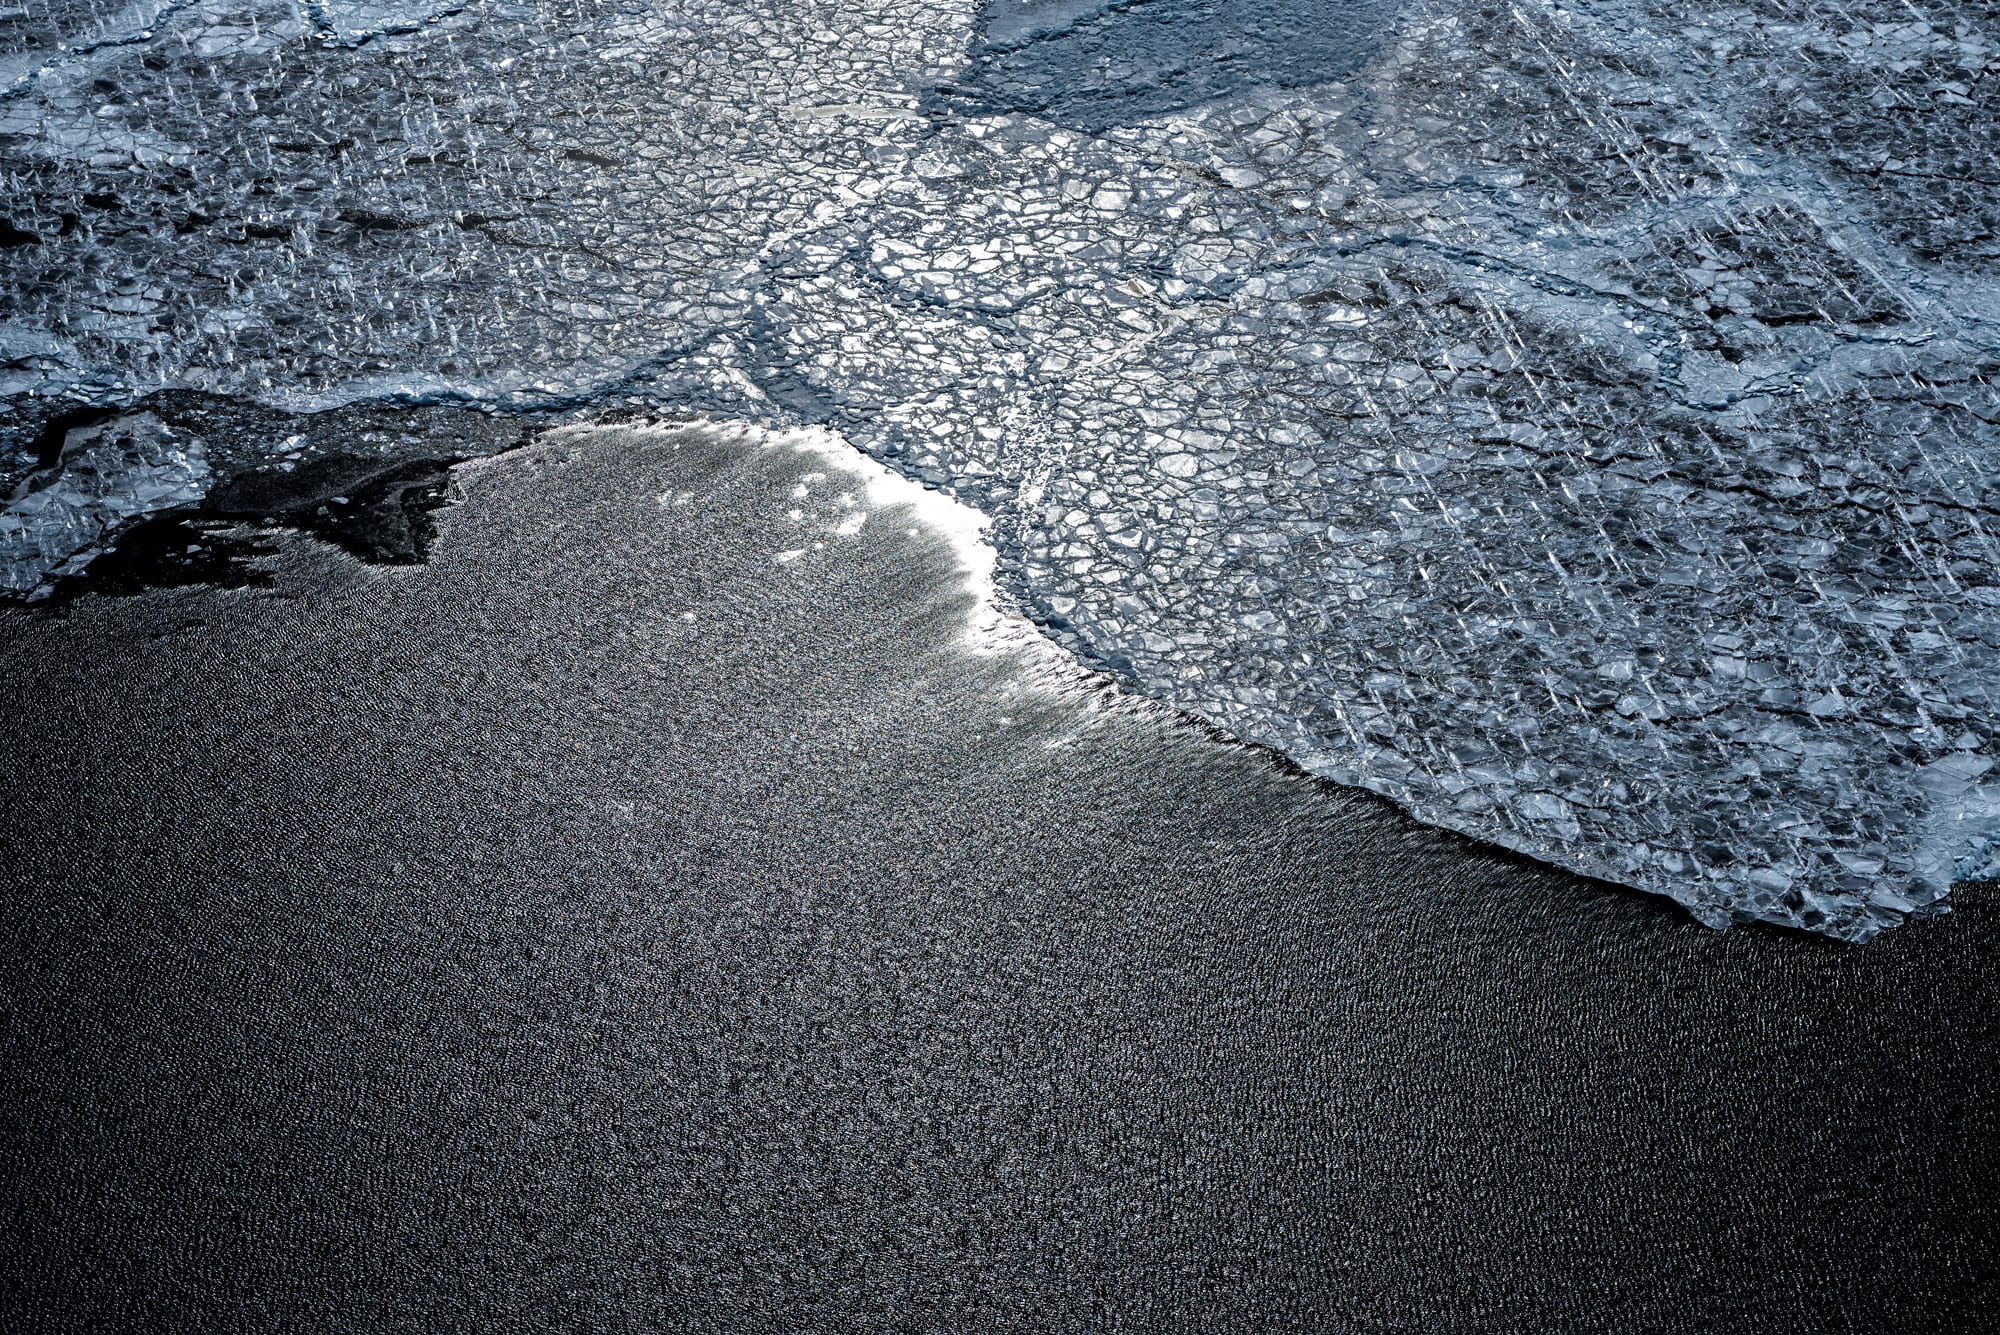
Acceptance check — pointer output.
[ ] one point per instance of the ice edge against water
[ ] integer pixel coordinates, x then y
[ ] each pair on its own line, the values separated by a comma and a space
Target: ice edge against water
1683, 298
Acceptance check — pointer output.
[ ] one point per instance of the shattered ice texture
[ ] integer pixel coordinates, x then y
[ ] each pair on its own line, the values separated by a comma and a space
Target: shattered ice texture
1575, 422
108, 474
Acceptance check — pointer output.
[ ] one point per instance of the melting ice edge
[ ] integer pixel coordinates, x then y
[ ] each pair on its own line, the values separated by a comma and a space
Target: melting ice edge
1574, 422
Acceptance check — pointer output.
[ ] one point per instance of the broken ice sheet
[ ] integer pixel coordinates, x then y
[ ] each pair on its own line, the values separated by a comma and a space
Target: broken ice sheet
1574, 422
108, 474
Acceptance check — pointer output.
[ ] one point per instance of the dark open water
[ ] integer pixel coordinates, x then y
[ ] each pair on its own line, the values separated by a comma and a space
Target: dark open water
485, 946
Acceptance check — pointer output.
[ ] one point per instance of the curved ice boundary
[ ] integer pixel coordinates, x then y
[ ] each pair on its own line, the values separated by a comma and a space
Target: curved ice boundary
841, 492
1576, 422
854, 490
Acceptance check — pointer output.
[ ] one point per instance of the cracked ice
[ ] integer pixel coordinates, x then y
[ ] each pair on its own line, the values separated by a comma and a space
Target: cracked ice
1572, 421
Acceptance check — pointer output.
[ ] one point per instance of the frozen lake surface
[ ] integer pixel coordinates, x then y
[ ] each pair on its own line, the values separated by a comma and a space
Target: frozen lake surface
1574, 422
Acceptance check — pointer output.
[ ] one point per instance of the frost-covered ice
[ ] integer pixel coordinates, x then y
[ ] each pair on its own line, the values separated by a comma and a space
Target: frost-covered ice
1575, 422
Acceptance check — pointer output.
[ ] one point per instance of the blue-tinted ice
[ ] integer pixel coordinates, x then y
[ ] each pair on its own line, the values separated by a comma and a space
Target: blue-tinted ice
1575, 422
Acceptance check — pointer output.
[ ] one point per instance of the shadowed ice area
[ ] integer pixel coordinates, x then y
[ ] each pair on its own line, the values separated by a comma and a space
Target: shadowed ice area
1099, 65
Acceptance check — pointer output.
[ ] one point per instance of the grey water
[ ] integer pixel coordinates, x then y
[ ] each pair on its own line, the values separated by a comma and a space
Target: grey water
606, 926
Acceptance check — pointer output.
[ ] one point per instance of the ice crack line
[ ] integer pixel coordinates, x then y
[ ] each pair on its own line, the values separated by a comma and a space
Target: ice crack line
67, 55
326, 27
